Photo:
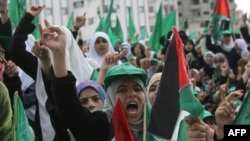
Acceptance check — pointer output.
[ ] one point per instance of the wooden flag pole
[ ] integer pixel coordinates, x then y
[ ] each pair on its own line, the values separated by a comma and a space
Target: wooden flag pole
144, 123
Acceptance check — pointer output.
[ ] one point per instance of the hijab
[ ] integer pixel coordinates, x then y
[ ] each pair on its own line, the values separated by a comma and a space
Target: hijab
211, 54
91, 84
153, 79
228, 47
92, 52
136, 127
243, 46
127, 46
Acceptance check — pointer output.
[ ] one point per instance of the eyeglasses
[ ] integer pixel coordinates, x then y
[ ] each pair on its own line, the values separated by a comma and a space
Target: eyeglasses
100, 40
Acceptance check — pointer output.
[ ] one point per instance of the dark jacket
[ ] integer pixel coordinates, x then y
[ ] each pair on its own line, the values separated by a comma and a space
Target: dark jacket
231, 56
29, 63
83, 124
246, 35
13, 84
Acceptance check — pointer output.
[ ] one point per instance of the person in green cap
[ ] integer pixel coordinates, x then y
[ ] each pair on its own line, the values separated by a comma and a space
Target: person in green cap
124, 81
227, 47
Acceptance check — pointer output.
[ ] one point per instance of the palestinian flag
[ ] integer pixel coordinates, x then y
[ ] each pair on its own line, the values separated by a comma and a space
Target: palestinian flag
175, 92
221, 12
120, 124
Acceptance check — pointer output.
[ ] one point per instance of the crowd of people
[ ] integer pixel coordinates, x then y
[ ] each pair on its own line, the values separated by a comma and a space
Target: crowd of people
69, 88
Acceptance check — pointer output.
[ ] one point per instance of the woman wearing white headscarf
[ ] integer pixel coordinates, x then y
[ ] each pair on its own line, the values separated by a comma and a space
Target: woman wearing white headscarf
99, 46
241, 47
32, 66
226, 47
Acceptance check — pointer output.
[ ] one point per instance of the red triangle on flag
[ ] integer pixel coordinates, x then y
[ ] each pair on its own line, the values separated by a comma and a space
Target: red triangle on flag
222, 8
120, 124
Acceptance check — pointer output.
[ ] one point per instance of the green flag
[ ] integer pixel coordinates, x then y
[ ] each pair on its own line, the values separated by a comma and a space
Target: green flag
184, 25
143, 34
168, 22
112, 37
17, 9
36, 32
70, 23
22, 131
131, 27
100, 26
118, 29
154, 40
107, 23
193, 35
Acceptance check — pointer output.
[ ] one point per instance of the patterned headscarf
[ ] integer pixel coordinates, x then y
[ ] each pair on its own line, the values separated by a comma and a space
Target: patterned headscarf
92, 84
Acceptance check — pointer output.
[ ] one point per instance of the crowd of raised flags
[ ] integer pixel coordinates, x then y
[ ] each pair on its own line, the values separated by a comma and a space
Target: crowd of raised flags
176, 93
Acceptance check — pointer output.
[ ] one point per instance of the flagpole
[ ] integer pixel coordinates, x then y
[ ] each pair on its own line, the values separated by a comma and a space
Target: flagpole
144, 123
177, 14
232, 25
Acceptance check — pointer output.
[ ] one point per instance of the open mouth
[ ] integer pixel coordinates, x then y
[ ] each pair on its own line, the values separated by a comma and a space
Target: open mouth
132, 107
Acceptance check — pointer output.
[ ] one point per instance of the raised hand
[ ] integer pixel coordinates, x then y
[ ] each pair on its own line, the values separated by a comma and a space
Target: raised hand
198, 131
80, 21
145, 63
109, 61
11, 69
112, 59
35, 10
54, 38
225, 113
235, 95
41, 51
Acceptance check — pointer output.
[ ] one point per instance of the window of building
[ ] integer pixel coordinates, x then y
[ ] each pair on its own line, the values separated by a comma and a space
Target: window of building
48, 11
212, 6
78, 4
171, 8
231, 1
196, 12
64, 11
180, 14
196, 2
205, 1
204, 23
141, 9
151, 9
179, 2
166, 7
206, 13
151, 28
105, 9
129, 8
91, 21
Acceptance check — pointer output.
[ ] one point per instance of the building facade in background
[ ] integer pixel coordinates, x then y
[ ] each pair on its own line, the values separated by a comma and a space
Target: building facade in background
197, 12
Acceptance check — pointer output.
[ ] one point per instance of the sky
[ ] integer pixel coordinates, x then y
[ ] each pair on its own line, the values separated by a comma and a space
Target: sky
243, 5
